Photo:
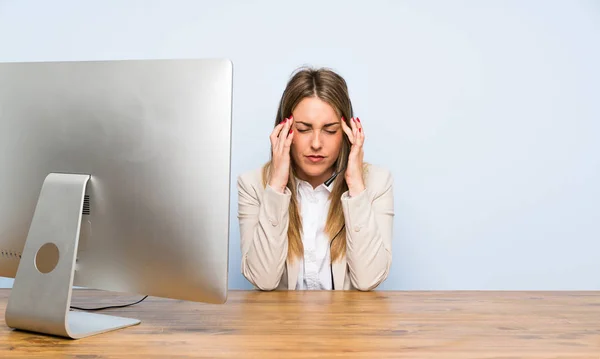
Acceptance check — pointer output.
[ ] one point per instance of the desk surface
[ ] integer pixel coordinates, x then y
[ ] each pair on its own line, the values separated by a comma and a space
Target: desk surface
376, 324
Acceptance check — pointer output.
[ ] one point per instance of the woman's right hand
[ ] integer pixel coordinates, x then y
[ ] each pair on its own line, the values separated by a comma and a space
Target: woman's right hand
281, 141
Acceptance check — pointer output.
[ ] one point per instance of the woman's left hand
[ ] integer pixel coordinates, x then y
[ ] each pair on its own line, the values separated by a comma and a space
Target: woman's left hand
354, 171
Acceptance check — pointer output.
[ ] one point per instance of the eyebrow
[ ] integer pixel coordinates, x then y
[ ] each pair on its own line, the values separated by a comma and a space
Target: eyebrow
310, 125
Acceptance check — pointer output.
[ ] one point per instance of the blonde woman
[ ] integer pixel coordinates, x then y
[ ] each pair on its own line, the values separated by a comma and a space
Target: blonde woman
314, 216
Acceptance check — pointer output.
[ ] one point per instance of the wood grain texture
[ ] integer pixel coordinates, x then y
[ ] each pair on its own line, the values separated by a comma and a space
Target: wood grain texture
378, 324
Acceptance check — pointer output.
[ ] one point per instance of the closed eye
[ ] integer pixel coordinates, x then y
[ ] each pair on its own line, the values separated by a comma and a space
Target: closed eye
303, 130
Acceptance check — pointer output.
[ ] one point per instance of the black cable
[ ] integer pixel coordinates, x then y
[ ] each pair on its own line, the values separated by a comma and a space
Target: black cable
330, 179
337, 234
111, 306
331, 265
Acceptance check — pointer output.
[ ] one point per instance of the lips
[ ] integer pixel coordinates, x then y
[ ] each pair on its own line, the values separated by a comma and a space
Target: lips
315, 158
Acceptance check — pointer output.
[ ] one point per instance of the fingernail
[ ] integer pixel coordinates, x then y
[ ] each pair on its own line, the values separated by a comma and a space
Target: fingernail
343, 119
358, 119
284, 120
291, 131
360, 130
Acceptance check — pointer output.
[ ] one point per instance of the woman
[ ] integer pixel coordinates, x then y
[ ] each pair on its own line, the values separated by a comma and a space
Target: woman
315, 216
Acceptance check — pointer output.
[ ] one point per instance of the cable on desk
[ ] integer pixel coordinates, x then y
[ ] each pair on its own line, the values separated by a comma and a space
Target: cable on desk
110, 306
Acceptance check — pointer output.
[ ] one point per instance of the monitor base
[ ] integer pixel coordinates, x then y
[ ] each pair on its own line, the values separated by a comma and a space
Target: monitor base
40, 299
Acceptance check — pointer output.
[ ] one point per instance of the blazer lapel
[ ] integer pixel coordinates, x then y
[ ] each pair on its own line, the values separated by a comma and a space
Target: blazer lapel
339, 273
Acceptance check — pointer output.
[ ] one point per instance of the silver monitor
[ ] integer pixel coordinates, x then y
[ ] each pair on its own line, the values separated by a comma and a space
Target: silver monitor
114, 175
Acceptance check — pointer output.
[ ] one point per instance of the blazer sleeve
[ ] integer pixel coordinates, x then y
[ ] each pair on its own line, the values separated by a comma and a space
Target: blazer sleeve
369, 222
264, 220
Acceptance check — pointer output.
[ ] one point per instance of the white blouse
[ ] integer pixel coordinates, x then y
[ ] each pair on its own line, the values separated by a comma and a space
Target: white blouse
315, 269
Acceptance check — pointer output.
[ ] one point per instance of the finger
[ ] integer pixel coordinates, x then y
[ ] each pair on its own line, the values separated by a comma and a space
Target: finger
348, 131
361, 134
285, 131
354, 127
276, 131
355, 130
360, 139
288, 141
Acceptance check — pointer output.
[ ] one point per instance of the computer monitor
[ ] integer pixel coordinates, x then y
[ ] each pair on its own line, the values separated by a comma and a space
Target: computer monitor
114, 175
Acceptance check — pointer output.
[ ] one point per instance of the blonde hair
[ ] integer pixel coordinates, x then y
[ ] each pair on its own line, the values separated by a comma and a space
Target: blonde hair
331, 88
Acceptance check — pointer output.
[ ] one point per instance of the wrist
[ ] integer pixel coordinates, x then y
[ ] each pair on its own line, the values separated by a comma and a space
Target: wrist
356, 189
277, 187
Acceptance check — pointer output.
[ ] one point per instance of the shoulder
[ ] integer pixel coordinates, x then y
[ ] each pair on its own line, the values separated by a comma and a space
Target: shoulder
252, 178
378, 179
251, 181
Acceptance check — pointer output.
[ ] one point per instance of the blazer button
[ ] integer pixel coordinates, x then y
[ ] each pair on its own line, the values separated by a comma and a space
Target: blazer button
273, 222
356, 228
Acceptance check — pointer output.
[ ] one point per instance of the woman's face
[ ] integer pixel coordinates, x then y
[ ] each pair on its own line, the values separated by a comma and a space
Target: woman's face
317, 141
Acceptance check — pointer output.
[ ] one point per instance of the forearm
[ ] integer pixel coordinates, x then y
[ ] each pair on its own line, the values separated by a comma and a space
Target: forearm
368, 240
263, 261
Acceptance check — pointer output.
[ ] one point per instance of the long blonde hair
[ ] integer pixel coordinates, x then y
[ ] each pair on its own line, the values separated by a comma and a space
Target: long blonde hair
331, 88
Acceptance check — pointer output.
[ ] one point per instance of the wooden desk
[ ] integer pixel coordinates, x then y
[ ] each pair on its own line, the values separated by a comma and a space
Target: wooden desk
326, 324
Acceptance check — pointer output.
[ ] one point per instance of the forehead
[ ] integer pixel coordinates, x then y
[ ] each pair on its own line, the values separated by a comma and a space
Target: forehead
315, 111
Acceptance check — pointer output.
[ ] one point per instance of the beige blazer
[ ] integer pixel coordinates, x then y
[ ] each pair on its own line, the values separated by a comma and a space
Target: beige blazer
263, 218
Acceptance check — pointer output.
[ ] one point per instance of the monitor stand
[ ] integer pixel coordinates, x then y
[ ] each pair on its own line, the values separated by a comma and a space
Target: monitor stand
40, 299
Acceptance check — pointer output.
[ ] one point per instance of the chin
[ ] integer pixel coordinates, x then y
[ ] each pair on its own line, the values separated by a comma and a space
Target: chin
316, 170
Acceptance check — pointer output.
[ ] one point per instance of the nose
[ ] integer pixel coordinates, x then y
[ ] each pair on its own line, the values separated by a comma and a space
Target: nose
316, 143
